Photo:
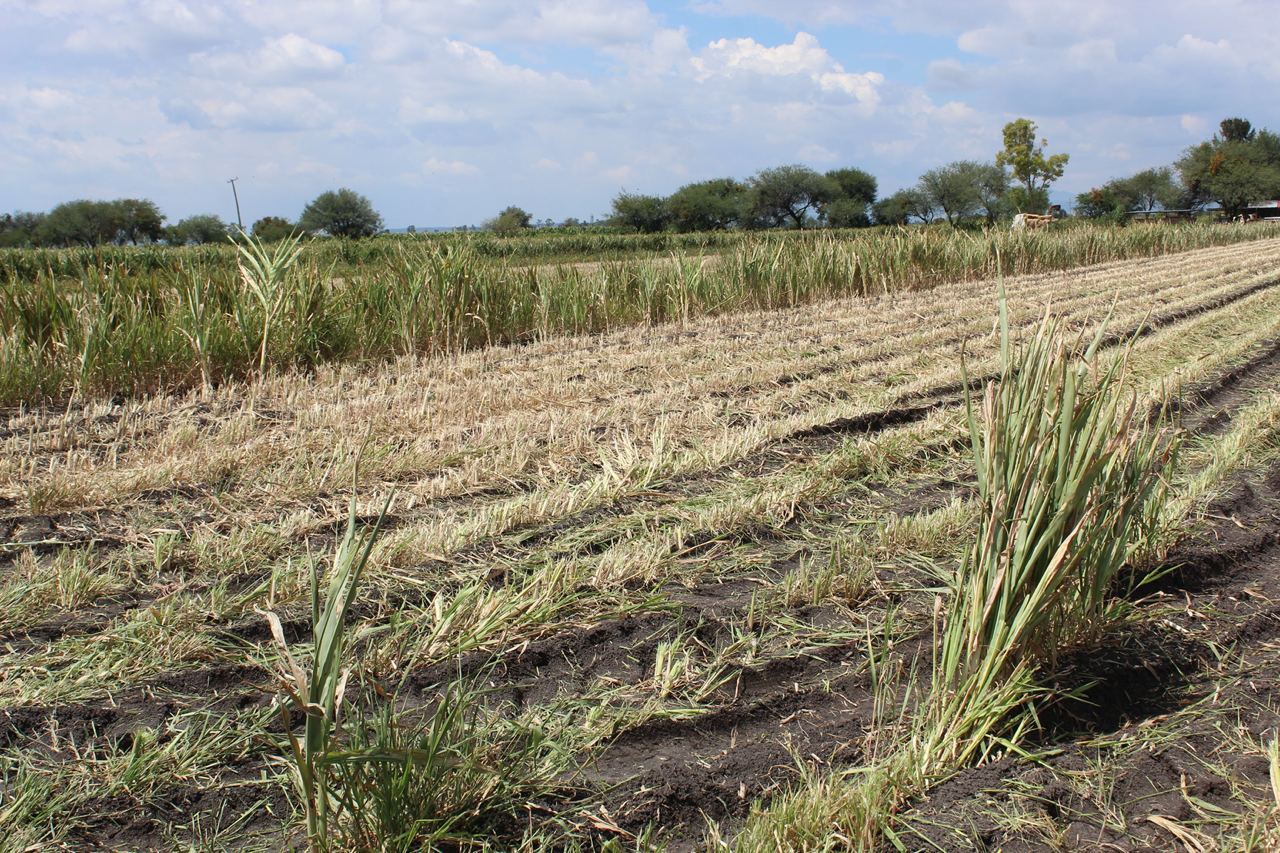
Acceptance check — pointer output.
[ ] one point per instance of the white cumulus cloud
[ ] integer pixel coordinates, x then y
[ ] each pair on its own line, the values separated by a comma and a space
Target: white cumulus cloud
804, 57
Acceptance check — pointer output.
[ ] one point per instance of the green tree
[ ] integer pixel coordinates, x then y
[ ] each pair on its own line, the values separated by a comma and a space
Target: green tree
900, 207
891, 210
1236, 129
91, 223
787, 195
1148, 190
1101, 202
1242, 176
272, 229
993, 190
645, 213
80, 223
1236, 167
20, 229
855, 193
708, 205
1031, 167
137, 220
202, 228
341, 213
953, 189
920, 205
510, 220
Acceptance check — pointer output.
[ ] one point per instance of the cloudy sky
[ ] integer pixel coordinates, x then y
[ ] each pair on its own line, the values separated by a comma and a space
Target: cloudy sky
444, 112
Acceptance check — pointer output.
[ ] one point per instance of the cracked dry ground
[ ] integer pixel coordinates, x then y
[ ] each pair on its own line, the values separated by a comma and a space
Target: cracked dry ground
679, 542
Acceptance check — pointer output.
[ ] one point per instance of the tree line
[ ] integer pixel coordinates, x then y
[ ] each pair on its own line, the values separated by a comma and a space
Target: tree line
1239, 165
131, 221
796, 196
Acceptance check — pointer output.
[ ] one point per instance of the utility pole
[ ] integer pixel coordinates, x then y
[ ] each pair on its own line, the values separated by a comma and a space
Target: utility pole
236, 196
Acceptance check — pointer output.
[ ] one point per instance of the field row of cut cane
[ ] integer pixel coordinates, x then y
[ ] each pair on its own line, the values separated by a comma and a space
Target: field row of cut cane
645, 537
747, 365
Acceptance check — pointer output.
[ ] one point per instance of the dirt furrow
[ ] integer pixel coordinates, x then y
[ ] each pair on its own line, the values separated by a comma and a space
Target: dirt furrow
678, 773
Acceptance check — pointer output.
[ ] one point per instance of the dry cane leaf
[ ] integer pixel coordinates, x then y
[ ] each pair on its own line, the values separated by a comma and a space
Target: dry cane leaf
1190, 840
277, 633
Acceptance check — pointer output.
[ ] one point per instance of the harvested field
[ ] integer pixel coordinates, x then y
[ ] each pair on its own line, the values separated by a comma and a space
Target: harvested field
681, 553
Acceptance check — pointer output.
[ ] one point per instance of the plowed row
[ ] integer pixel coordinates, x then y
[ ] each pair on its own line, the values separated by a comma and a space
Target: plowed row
768, 497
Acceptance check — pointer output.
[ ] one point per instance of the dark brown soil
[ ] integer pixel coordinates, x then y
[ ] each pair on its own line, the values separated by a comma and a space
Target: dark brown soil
45, 534
678, 773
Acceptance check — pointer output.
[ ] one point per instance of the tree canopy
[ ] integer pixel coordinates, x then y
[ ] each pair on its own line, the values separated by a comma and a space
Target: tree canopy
202, 228
1238, 166
271, 229
1148, 190
20, 228
787, 195
900, 207
341, 213
1032, 168
90, 223
1236, 129
708, 205
1101, 201
849, 206
1151, 189
953, 189
138, 220
992, 183
645, 213
510, 220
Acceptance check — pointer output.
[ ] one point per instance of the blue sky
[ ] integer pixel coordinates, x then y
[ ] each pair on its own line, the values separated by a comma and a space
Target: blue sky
443, 113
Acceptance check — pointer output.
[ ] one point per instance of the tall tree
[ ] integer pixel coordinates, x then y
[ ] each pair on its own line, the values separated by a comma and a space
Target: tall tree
1031, 167
1145, 191
20, 229
1238, 166
1150, 189
900, 207
645, 213
201, 228
81, 223
993, 190
1101, 201
855, 193
1236, 129
708, 205
789, 194
272, 229
953, 189
138, 220
341, 213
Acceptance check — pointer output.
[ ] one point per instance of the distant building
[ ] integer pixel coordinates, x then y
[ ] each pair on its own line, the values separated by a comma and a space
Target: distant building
1262, 210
